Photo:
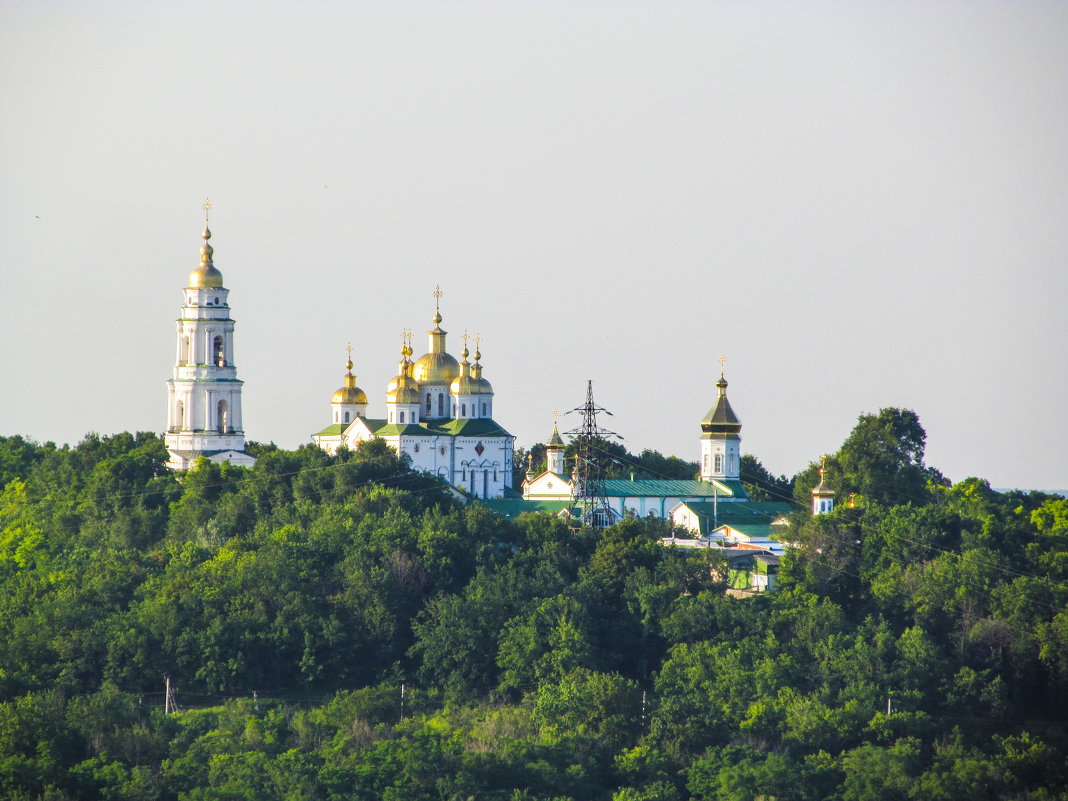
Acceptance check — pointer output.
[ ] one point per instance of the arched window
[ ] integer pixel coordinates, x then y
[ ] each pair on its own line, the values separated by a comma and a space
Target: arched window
463, 410
402, 417
217, 352
222, 418
184, 357
719, 462
483, 410
428, 403
441, 405
346, 417
179, 417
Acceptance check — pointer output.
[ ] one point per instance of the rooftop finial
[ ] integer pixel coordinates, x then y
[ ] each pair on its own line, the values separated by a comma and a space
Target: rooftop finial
437, 304
722, 361
823, 466
348, 362
207, 208
478, 341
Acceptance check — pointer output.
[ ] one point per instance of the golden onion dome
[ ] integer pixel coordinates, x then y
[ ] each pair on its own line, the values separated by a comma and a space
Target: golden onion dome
436, 368
350, 393
206, 276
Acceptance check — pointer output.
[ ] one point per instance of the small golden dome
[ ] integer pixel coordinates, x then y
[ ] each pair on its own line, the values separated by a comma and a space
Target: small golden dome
464, 385
402, 389
205, 276
350, 393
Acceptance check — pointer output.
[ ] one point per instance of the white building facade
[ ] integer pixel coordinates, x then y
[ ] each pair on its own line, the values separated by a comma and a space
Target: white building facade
204, 394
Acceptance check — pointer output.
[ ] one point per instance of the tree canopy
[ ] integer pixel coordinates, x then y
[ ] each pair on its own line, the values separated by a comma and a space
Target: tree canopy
338, 627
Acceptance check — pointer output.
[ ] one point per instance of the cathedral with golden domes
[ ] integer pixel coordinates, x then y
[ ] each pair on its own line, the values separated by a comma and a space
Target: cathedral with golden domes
439, 412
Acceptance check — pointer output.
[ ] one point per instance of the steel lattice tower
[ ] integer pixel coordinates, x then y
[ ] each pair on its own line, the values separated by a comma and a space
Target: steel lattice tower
589, 500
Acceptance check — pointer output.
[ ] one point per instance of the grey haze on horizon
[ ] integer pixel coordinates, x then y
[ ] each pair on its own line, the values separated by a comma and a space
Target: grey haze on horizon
861, 205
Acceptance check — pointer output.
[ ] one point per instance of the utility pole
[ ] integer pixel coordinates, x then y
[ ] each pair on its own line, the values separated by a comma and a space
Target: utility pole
589, 500
169, 704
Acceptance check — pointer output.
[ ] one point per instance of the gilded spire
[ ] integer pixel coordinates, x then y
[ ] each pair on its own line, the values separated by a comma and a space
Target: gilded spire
437, 304
348, 362
206, 276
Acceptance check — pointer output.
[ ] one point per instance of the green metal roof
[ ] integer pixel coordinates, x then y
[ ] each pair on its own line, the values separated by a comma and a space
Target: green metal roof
332, 430
472, 427
753, 511
513, 507
407, 429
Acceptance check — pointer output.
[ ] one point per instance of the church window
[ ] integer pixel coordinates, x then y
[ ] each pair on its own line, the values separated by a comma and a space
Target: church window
465, 474
402, 417
346, 417
719, 463
222, 418
730, 463
417, 447
217, 347
441, 405
335, 417
463, 410
185, 350
483, 410
179, 418
428, 409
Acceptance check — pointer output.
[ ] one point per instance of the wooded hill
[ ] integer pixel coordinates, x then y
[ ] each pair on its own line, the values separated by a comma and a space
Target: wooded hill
339, 628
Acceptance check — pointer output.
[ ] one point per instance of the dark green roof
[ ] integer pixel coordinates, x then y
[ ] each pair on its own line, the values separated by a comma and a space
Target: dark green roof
618, 488
753, 518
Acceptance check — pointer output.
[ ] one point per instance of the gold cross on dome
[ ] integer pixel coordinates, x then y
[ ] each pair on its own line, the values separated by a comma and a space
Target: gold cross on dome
722, 359
478, 340
207, 208
350, 351
555, 413
437, 296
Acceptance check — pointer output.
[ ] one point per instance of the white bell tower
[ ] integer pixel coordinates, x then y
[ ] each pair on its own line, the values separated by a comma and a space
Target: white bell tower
204, 394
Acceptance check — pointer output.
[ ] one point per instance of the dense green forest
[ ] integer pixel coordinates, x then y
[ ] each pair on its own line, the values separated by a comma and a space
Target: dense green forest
340, 628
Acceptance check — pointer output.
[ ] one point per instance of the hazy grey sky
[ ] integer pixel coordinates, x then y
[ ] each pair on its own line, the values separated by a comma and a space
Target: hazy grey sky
860, 204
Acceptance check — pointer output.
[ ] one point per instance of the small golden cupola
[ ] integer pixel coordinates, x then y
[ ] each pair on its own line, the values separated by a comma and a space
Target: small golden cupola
463, 384
206, 276
349, 401
554, 450
822, 494
482, 386
403, 390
